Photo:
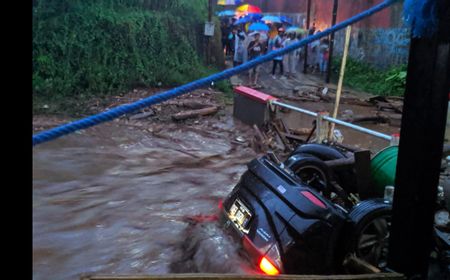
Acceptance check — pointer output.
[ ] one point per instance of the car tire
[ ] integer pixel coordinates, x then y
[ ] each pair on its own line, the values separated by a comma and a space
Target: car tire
370, 231
301, 163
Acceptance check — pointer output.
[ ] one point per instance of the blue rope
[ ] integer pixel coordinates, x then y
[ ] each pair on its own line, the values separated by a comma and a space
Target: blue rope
155, 99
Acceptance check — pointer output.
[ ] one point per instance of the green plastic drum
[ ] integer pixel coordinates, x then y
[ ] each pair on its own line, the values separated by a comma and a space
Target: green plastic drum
383, 166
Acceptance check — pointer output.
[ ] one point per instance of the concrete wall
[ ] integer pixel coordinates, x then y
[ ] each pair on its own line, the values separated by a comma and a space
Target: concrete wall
381, 39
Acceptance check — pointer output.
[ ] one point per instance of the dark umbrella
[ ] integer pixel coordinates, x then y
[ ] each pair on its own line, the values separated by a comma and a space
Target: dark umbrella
248, 18
285, 19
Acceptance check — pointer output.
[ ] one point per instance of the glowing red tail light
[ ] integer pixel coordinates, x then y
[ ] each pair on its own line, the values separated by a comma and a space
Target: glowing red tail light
313, 199
267, 267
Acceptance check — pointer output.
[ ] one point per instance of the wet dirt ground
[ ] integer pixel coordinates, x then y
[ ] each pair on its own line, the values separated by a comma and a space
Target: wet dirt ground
125, 197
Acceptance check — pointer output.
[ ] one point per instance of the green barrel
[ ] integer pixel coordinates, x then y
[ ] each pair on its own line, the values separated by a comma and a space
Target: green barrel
383, 166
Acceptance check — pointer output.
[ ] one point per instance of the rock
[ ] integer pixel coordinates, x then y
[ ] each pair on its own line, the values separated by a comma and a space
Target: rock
143, 115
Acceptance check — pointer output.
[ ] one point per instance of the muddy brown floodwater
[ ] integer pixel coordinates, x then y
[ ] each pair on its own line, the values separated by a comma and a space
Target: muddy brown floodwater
123, 198
115, 199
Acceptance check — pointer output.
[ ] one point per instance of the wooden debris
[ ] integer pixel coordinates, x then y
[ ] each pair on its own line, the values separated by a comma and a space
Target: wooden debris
394, 104
392, 118
294, 138
280, 135
195, 113
142, 115
283, 125
300, 131
261, 143
358, 265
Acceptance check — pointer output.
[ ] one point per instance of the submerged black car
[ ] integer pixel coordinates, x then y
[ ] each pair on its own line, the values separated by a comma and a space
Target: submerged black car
286, 226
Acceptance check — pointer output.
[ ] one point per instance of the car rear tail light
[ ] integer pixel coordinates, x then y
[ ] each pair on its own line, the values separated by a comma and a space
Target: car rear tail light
267, 267
313, 199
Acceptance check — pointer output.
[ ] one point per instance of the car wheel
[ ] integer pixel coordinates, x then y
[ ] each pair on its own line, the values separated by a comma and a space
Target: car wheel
370, 237
312, 172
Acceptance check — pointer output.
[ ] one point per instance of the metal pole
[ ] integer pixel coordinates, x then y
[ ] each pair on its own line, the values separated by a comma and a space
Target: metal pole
331, 43
336, 121
308, 14
360, 128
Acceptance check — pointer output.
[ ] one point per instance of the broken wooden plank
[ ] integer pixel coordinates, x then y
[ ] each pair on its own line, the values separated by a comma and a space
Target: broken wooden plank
284, 126
358, 265
280, 135
294, 137
195, 113
300, 131
261, 139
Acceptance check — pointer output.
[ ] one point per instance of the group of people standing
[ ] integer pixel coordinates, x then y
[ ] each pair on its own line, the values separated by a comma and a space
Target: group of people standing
244, 46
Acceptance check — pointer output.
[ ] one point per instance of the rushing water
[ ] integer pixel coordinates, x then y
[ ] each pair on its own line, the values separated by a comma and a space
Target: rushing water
115, 200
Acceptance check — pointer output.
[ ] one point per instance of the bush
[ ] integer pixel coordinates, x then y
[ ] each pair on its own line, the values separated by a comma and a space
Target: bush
83, 47
365, 77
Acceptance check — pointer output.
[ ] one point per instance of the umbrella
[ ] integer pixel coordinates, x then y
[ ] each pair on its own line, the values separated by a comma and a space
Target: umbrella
228, 2
271, 19
295, 29
263, 35
248, 18
226, 13
258, 26
247, 8
285, 19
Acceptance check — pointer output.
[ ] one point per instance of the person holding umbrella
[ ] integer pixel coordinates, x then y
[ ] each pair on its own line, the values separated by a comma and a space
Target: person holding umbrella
254, 49
239, 49
277, 43
292, 57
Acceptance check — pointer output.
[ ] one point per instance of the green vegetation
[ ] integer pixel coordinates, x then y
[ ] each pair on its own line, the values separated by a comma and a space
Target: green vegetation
362, 76
83, 48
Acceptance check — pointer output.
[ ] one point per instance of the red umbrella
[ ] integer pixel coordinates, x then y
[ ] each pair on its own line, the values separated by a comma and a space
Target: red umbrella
250, 9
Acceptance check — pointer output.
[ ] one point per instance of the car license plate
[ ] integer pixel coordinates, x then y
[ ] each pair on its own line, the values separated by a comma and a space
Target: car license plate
240, 214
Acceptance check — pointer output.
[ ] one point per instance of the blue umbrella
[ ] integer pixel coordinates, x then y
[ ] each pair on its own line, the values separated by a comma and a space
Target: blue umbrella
226, 13
272, 19
285, 19
248, 18
258, 26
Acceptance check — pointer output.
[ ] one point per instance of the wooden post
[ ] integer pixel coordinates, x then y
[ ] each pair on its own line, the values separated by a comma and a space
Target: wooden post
322, 127
208, 39
308, 14
341, 79
331, 43
420, 150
